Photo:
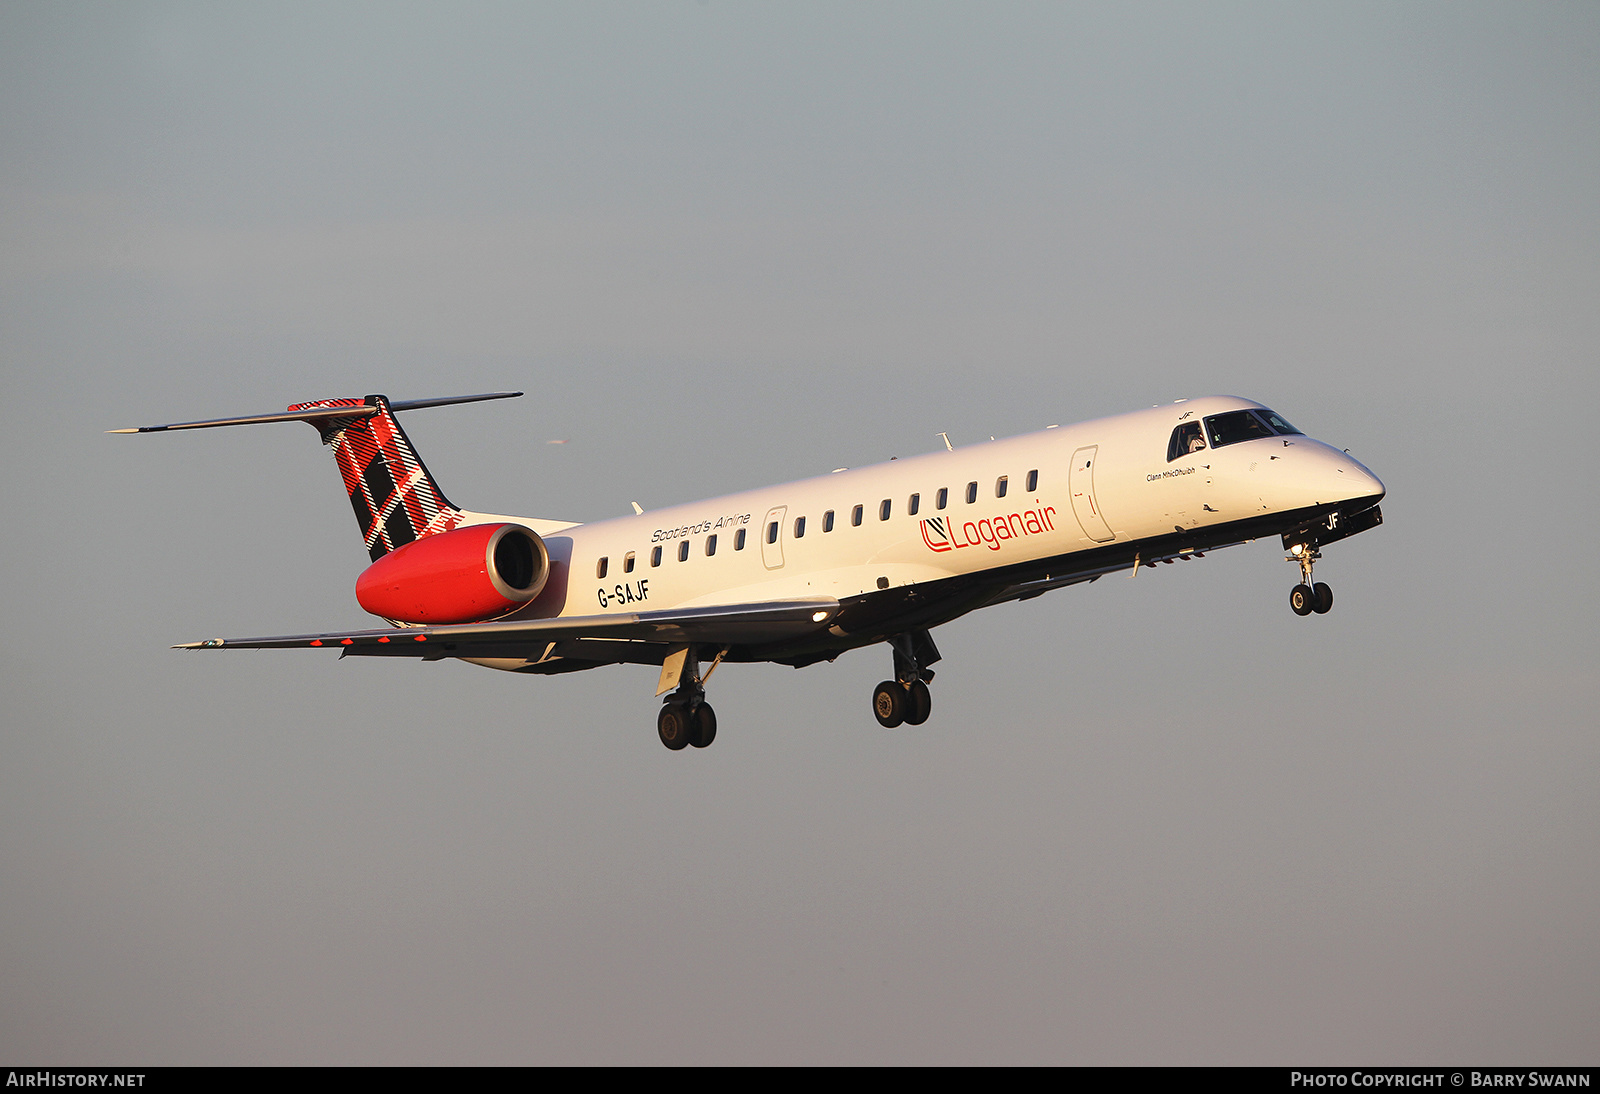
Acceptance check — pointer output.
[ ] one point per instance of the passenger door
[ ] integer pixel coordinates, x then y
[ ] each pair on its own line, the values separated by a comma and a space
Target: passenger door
1081, 482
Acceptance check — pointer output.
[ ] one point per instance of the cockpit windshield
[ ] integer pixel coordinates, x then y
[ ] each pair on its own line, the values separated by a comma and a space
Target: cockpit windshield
1278, 424
1185, 439
1246, 425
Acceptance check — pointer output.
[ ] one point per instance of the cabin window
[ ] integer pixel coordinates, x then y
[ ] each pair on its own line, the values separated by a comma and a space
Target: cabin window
913, 503
738, 540
855, 516
1000, 486
683, 551
1033, 480
627, 563
827, 521
600, 567
655, 556
885, 507
972, 492
942, 498
711, 545
772, 532
799, 527
1185, 439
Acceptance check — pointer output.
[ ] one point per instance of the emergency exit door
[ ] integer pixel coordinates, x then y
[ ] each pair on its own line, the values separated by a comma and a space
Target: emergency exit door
772, 538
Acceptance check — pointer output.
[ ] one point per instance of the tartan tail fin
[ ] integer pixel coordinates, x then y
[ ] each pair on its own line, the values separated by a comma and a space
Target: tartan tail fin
394, 497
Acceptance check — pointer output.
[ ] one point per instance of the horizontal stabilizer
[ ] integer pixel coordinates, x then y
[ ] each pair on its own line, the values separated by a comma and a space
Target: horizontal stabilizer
321, 413
771, 621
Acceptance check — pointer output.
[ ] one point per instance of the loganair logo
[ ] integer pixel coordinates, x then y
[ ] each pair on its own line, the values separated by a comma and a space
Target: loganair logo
943, 534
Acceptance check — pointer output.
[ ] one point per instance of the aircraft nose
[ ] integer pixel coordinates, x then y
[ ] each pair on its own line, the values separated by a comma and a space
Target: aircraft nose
1366, 484
1340, 478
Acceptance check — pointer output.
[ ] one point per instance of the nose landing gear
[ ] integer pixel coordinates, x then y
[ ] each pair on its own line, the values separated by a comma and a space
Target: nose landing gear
1306, 597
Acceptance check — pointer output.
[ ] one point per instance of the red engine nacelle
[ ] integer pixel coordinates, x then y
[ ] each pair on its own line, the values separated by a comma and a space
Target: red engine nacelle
473, 573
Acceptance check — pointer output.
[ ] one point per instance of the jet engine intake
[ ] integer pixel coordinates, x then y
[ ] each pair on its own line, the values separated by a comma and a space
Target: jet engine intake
479, 572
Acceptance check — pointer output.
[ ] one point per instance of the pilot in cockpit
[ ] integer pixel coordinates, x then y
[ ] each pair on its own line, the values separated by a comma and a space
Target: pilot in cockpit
1186, 440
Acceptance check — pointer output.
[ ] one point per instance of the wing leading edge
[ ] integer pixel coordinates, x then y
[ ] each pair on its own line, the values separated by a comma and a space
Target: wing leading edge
768, 621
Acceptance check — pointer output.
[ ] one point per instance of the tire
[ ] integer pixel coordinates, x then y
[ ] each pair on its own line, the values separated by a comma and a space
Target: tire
889, 704
1302, 600
919, 704
673, 725
702, 725
1324, 598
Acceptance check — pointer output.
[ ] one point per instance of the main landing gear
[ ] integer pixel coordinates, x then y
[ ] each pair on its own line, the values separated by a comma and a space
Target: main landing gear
905, 700
1306, 597
686, 718
686, 721
894, 703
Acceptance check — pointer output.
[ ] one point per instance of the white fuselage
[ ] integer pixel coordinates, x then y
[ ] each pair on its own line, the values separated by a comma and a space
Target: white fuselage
998, 506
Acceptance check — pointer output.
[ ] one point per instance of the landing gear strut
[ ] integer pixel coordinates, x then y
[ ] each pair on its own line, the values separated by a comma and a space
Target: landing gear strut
686, 718
905, 700
1306, 597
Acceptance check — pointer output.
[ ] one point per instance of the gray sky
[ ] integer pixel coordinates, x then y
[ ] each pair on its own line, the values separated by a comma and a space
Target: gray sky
722, 245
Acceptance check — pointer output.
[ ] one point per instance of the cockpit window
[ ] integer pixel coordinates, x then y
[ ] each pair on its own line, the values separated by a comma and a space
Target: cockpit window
1236, 426
1278, 424
1185, 439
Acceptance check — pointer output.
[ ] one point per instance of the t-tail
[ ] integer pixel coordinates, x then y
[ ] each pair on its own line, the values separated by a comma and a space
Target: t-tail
394, 497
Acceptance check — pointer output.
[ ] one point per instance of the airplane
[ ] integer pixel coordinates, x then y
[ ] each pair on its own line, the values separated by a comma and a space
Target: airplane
799, 573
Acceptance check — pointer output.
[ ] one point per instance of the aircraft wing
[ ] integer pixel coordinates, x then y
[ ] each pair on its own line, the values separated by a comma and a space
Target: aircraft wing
727, 625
